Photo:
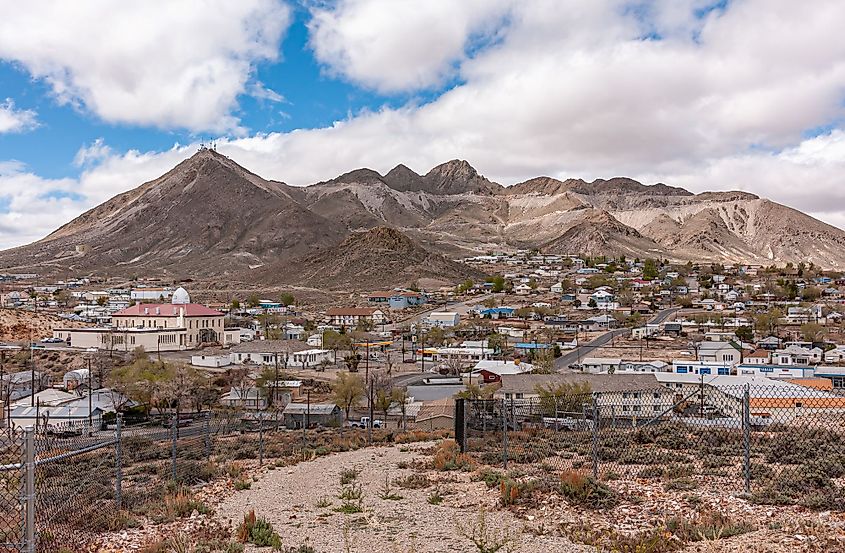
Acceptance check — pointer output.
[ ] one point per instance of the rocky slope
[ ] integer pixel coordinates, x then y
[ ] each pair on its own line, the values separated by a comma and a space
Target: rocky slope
209, 217
381, 257
206, 216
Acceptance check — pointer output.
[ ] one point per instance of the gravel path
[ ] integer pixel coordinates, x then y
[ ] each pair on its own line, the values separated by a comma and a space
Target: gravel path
288, 496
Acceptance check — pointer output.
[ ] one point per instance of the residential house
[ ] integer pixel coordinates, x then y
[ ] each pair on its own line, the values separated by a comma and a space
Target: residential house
723, 353
615, 396
249, 398
350, 317
600, 322
685, 366
497, 312
759, 356
797, 355
435, 415
285, 353
599, 365
213, 360
490, 371
443, 319
522, 289
299, 415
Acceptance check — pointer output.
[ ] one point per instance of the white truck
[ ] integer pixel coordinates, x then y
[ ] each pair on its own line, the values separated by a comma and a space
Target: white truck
365, 422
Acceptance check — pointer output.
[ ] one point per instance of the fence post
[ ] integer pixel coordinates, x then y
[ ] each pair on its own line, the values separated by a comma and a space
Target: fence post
461, 424
29, 487
556, 414
595, 448
118, 461
206, 434
505, 434
746, 437
260, 439
173, 426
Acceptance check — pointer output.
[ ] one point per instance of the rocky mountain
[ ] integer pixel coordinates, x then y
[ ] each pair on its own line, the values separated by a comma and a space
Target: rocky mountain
381, 257
209, 217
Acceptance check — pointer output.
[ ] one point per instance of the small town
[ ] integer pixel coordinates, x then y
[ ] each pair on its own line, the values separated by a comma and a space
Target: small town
642, 344
392, 276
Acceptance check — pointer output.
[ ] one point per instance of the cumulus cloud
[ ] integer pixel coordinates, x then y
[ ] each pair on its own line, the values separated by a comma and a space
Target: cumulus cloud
158, 63
690, 92
16, 120
400, 45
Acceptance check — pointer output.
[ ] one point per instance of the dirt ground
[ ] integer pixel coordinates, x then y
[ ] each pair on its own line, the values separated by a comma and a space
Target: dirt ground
289, 498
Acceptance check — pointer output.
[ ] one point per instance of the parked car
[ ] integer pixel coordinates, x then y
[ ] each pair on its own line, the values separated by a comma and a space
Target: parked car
52, 341
365, 421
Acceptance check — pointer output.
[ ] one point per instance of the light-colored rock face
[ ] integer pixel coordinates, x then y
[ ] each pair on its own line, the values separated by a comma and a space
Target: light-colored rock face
208, 216
619, 215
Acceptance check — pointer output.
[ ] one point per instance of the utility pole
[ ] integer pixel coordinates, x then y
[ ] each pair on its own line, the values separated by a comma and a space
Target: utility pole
32, 369
423, 354
275, 377
370, 422
90, 394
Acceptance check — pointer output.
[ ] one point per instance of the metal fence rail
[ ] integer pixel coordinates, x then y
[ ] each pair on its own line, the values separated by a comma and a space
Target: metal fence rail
780, 445
62, 485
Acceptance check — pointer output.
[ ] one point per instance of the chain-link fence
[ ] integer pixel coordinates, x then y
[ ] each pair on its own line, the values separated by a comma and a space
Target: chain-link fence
780, 444
62, 486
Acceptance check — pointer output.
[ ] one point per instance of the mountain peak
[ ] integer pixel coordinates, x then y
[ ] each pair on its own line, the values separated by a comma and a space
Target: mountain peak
362, 175
458, 177
456, 168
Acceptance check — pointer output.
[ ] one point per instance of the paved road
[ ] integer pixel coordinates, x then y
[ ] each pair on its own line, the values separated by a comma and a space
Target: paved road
573, 356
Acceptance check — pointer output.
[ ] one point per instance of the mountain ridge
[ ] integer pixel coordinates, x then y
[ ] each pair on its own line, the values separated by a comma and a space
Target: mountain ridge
210, 216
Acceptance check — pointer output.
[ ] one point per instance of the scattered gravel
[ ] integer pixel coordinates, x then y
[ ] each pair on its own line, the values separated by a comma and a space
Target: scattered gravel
287, 497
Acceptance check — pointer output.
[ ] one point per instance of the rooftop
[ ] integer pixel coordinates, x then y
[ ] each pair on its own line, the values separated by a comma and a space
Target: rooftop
167, 310
270, 346
528, 383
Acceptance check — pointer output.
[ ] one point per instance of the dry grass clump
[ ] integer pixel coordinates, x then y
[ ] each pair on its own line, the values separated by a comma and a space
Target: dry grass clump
447, 456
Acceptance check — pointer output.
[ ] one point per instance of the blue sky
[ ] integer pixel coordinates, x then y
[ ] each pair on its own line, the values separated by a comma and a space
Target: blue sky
312, 98
98, 97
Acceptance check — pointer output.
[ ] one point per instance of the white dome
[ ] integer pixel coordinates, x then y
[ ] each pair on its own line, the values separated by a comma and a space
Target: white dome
180, 297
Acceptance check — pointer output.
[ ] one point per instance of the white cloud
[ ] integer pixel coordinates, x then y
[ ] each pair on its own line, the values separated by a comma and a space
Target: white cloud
94, 152
260, 92
569, 89
158, 63
16, 120
398, 45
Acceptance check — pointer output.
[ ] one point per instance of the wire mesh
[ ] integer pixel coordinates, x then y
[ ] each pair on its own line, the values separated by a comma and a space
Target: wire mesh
74, 484
11, 493
783, 444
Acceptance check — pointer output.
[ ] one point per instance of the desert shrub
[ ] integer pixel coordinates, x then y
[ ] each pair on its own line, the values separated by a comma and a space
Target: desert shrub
671, 535
716, 461
799, 446
650, 456
812, 489
512, 492
435, 497
585, 490
416, 481
258, 531
448, 457
708, 525
241, 485
180, 504
668, 436
490, 477
681, 484
348, 476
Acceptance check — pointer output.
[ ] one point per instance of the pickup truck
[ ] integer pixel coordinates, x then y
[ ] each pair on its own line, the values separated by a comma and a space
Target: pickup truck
365, 421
